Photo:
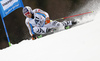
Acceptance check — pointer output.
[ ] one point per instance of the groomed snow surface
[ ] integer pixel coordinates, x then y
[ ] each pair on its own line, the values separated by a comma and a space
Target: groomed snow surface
81, 43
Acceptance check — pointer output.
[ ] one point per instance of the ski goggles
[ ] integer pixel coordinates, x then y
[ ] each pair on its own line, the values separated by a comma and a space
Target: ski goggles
27, 13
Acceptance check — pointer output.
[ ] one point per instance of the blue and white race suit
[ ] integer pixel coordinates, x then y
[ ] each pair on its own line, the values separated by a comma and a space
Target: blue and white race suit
37, 24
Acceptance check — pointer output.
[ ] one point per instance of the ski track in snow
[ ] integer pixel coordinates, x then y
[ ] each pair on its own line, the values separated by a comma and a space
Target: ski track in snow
81, 43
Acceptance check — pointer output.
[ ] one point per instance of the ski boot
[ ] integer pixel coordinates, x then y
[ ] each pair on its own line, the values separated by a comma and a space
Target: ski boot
69, 24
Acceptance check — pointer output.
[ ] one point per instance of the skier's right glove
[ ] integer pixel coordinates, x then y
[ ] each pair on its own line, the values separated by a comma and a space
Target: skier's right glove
34, 37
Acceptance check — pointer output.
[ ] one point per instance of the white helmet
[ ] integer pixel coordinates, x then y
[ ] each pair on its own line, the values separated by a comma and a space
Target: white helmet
27, 9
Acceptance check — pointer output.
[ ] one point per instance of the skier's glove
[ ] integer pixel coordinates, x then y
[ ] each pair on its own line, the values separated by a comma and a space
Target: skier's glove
34, 37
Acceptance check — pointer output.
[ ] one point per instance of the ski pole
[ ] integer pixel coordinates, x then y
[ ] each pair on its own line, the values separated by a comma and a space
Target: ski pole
75, 15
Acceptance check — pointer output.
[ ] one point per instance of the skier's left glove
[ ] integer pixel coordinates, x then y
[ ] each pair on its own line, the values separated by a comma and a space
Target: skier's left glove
34, 37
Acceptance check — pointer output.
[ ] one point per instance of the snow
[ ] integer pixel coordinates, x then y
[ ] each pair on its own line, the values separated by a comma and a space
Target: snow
81, 43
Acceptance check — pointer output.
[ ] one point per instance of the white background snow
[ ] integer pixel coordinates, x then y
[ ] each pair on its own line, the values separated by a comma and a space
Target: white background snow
81, 43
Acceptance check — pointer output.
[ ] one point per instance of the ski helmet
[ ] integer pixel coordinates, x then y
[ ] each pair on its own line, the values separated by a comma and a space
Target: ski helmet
27, 9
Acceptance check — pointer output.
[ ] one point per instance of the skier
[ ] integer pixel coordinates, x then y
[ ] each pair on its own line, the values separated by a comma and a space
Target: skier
38, 22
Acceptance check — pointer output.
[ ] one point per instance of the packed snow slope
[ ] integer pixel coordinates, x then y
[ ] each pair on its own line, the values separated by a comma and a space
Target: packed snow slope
81, 43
